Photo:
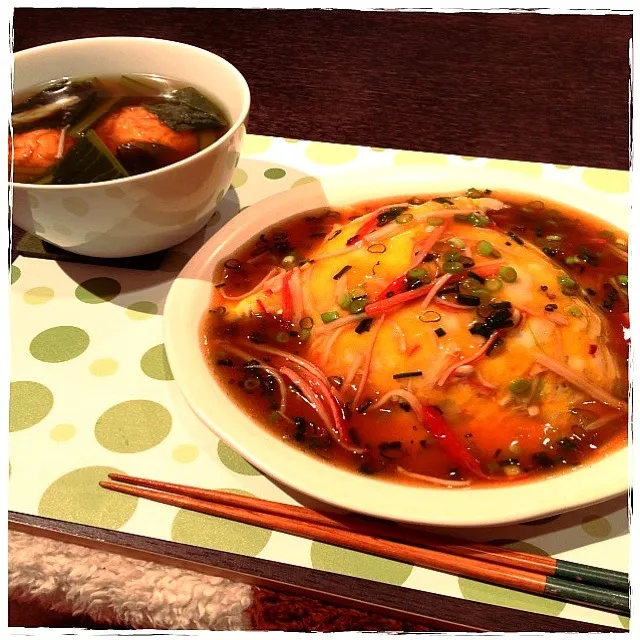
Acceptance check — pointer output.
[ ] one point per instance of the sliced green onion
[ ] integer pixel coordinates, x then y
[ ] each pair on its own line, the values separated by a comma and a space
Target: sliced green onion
451, 256
345, 301
282, 336
508, 274
251, 384
469, 286
520, 386
306, 322
304, 334
554, 238
404, 218
572, 260
458, 243
357, 293
435, 221
484, 248
430, 316
478, 219
357, 306
417, 273
493, 284
574, 310
623, 280
452, 267
329, 316
566, 282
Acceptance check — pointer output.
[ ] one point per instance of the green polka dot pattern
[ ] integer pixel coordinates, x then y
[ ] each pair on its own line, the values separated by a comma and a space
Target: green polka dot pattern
77, 497
330, 154
218, 533
239, 178
185, 453
596, 527
93, 391
409, 158
302, 181
59, 344
607, 181
254, 145
275, 174
500, 596
62, 432
29, 404
38, 295
133, 426
353, 563
234, 461
154, 363
98, 290
141, 310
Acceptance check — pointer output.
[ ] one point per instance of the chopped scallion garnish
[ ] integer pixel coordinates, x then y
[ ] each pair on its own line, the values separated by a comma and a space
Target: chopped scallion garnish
493, 284
520, 386
484, 248
452, 267
404, 218
508, 274
329, 316
566, 282
306, 322
357, 306
417, 273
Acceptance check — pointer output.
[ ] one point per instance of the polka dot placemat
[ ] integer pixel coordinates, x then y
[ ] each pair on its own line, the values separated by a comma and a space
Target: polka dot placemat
92, 392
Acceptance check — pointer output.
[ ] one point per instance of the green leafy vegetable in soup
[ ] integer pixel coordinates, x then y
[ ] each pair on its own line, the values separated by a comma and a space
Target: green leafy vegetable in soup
79, 131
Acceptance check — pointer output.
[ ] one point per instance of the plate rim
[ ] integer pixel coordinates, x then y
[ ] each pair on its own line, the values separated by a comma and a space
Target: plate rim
449, 499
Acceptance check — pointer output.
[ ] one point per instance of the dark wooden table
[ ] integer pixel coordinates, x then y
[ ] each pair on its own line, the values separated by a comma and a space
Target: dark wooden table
521, 86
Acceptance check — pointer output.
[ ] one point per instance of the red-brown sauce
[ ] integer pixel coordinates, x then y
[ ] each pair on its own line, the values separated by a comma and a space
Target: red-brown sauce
590, 251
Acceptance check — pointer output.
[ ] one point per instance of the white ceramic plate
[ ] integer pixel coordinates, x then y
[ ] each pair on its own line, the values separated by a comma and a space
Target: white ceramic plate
189, 299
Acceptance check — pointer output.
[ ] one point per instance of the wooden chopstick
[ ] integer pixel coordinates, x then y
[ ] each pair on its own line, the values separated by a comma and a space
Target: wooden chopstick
543, 565
371, 536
